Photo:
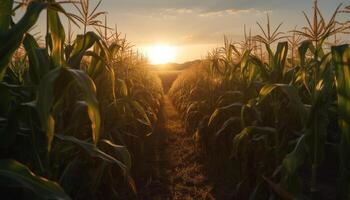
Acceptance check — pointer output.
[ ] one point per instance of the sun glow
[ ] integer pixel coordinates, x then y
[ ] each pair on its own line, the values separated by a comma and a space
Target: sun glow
161, 54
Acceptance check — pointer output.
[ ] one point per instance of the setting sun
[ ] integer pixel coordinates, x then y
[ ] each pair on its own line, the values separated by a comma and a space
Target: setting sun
161, 54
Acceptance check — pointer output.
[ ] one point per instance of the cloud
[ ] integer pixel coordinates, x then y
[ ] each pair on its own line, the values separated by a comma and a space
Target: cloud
232, 11
172, 13
180, 10
187, 5
213, 5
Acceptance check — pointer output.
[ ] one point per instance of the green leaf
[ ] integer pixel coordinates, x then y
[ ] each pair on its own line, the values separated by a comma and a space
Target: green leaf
302, 50
290, 166
97, 64
271, 56
277, 63
311, 144
5, 15
230, 126
341, 59
11, 39
220, 115
44, 102
281, 54
87, 86
140, 112
5, 100
322, 99
292, 94
121, 151
262, 67
121, 88
23, 177
81, 45
93, 151
39, 60
114, 48
9, 126
241, 141
57, 36
244, 61
280, 58
49, 93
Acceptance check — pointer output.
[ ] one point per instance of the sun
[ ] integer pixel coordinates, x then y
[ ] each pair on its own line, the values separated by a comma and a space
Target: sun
161, 54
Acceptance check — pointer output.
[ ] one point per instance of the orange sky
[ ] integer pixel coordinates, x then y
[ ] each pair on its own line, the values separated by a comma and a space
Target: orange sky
197, 26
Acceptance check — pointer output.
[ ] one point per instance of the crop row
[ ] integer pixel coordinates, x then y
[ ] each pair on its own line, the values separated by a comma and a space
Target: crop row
274, 118
74, 110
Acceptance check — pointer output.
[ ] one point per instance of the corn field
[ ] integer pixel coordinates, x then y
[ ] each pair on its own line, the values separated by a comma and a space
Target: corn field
75, 110
270, 113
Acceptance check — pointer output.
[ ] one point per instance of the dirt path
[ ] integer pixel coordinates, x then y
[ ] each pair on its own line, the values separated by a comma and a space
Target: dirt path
174, 170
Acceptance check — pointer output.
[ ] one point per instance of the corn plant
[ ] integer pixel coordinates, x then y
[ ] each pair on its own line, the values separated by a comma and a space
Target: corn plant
87, 18
269, 36
341, 60
61, 104
247, 135
294, 42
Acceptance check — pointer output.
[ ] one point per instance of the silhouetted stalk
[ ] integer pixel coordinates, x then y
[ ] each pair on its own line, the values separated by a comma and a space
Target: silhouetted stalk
106, 37
315, 164
261, 51
69, 32
294, 41
47, 37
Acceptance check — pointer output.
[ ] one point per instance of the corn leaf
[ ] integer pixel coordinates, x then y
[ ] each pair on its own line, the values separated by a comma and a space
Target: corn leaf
39, 61
81, 45
291, 92
44, 103
290, 165
23, 177
220, 115
121, 88
341, 59
57, 36
303, 49
87, 86
5, 15
11, 39
48, 90
241, 142
120, 151
93, 151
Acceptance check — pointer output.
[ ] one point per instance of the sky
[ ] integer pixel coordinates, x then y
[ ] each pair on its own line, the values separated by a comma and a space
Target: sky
195, 27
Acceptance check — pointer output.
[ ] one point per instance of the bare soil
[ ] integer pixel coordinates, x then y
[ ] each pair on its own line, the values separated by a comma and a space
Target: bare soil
173, 167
